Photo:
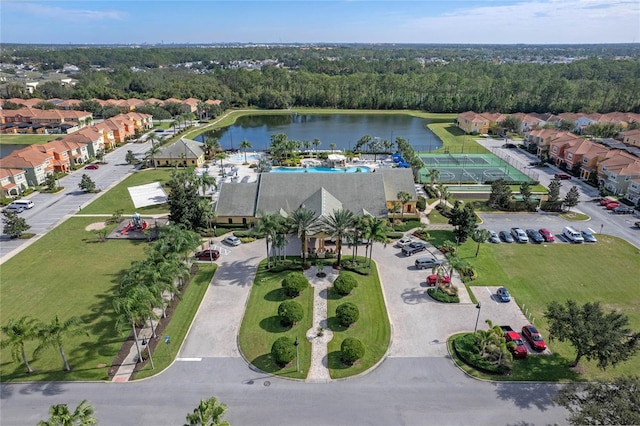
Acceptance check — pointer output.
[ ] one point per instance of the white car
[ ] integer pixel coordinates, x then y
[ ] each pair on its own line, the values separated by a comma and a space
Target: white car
404, 241
232, 240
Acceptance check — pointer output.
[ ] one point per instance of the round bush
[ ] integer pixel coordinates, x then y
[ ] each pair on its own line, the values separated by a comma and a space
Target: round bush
294, 283
352, 350
283, 351
347, 314
344, 284
290, 312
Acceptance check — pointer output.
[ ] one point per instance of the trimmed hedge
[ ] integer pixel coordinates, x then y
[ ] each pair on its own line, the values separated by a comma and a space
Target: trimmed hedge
351, 350
290, 312
294, 283
467, 349
283, 351
347, 314
287, 265
344, 284
441, 296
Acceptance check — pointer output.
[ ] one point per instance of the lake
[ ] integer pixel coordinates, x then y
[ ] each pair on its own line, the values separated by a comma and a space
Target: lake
342, 129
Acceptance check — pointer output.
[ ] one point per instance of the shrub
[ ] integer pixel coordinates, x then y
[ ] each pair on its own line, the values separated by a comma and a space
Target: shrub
286, 265
344, 284
283, 351
394, 235
421, 205
467, 349
290, 312
449, 247
351, 350
294, 283
347, 314
441, 296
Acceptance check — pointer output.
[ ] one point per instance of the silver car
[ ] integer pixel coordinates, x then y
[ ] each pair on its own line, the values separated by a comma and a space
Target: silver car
493, 237
232, 240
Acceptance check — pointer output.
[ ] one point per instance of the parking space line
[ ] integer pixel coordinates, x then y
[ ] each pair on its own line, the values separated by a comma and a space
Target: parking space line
490, 294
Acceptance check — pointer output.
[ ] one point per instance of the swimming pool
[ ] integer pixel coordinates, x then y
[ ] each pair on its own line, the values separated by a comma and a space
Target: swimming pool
362, 169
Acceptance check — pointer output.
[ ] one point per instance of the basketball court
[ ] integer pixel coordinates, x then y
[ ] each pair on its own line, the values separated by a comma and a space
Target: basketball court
470, 168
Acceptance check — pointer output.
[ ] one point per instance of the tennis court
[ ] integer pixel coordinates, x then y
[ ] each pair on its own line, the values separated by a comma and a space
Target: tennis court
473, 168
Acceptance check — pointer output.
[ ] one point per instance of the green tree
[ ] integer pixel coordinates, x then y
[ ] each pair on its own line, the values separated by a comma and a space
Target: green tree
208, 413
53, 334
283, 351
244, 145
338, 224
344, 283
404, 197
480, 236
512, 124
303, 222
572, 198
464, 221
434, 175
316, 144
554, 191
290, 312
130, 158
594, 334
185, 207
19, 331
51, 182
59, 415
211, 145
351, 350
14, 225
525, 191
332, 146
294, 284
347, 314
375, 231
156, 147
500, 196
100, 155
87, 184
268, 227
602, 403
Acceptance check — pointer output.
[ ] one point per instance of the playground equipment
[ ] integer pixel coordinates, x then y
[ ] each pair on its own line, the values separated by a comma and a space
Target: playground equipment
135, 224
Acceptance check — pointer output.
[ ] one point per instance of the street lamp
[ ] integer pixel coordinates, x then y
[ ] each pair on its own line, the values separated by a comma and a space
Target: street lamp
210, 251
479, 308
296, 344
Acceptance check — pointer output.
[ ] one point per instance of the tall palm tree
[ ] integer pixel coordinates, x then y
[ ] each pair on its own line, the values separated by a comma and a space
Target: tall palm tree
338, 224
307, 145
434, 175
154, 150
376, 232
480, 236
59, 415
268, 227
244, 145
404, 197
316, 143
332, 146
205, 180
129, 308
211, 145
388, 145
208, 413
220, 156
53, 334
19, 331
303, 222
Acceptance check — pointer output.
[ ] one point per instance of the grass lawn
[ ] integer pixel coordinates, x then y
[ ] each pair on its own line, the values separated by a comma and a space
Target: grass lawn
436, 217
372, 328
26, 139
118, 197
538, 274
261, 325
180, 321
67, 273
580, 217
455, 139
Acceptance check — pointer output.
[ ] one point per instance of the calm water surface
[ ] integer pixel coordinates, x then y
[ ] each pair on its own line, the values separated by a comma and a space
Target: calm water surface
342, 129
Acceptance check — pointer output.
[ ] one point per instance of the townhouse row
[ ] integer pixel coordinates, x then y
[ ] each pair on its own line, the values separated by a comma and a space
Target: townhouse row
30, 166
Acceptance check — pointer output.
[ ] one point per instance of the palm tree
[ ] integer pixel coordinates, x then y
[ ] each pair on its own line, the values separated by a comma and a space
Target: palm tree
338, 224
53, 334
316, 143
376, 232
307, 145
434, 175
59, 415
480, 236
404, 197
303, 222
244, 145
154, 150
388, 145
268, 227
208, 413
19, 331
205, 180
220, 156
211, 145
128, 307
332, 146
440, 271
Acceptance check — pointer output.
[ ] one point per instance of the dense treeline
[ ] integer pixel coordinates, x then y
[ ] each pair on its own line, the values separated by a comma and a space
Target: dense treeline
377, 81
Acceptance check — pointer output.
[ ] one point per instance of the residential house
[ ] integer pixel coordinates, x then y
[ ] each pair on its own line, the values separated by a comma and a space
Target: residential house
61, 159
617, 171
121, 127
92, 138
474, 123
539, 140
633, 192
559, 144
76, 153
47, 116
591, 155
69, 104
190, 105
12, 181
631, 137
35, 163
527, 122
184, 151
141, 122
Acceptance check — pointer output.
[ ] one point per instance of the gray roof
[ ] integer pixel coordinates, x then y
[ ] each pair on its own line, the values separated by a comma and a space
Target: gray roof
187, 147
396, 180
237, 199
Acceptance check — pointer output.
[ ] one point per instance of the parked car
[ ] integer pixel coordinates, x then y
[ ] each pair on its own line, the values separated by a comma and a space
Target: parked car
588, 237
547, 235
24, 203
433, 279
506, 237
562, 176
518, 349
572, 235
414, 247
503, 295
427, 262
605, 201
208, 254
232, 240
534, 236
535, 163
404, 241
534, 338
92, 166
612, 205
509, 145
519, 235
14, 209
493, 237
622, 209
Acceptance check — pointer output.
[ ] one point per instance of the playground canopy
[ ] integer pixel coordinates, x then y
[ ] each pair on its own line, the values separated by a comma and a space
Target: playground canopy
147, 195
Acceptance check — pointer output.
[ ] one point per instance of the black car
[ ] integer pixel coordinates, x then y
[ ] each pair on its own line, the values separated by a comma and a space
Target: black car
506, 237
414, 247
534, 236
622, 210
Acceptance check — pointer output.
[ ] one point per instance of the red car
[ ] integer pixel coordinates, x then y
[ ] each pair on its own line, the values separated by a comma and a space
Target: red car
519, 350
92, 166
534, 337
606, 201
208, 255
547, 235
433, 279
562, 176
613, 205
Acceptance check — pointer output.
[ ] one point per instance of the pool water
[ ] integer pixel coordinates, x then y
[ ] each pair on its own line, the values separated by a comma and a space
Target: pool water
319, 170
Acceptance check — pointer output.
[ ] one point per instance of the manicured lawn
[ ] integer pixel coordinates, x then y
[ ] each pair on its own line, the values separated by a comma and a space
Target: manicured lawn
118, 197
436, 217
538, 274
67, 273
180, 321
26, 139
452, 138
575, 216
261, 325
372, 328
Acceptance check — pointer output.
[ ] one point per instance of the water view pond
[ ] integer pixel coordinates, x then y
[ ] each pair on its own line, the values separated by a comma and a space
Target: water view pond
342, 129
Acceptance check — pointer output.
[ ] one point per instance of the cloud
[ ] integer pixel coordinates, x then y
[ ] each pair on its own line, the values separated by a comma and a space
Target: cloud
41, 10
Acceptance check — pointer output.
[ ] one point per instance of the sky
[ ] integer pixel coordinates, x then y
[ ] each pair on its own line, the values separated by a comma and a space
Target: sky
300, 21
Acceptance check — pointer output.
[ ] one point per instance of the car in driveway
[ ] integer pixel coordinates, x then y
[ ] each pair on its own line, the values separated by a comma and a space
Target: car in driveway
506, 237
433, 279
503, 295
404, 241
519, 235
588, 237
427, 262
547, 235
534, 236
534, 337
209, 254
232, 240
493, 237
562, 176
413, 248
92, 166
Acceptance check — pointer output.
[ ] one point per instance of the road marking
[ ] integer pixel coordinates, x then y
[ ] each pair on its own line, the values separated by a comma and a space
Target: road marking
189, 359
490, 295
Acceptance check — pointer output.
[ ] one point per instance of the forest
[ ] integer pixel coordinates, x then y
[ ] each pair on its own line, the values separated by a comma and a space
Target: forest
429, 78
